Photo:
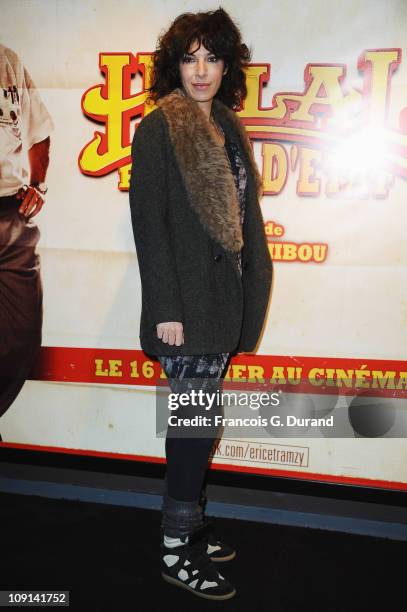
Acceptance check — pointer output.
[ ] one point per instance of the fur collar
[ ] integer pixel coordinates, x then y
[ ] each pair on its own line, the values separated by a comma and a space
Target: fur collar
204, 164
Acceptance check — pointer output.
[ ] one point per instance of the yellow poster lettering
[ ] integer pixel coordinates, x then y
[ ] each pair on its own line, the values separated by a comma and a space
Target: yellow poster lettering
275, 168
312, 118
316, 376
361, 382
124, 177
402, 383
114, 365
319, 252
323, 89
308, 184
273, 229
290, 251
383, 380
255, 373
294, 375
147, 369
254, 76
330, 377
134, 369
108, 103
379, 66
100, 370
344, 378
237, 372
278, 376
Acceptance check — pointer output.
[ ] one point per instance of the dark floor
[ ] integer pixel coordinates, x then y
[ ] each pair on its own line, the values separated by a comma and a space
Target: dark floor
107, 557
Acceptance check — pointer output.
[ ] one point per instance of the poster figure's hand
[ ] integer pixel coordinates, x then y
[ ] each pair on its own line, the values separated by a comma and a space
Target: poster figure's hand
32, 201
171, 332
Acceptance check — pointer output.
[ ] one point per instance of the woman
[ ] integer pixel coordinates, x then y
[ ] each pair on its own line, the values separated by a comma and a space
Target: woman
204, 263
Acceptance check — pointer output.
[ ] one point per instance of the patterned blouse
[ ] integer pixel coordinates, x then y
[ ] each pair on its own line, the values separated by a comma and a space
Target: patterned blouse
240, 178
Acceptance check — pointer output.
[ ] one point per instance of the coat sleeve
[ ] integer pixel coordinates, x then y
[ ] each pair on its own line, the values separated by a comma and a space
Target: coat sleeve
148, 206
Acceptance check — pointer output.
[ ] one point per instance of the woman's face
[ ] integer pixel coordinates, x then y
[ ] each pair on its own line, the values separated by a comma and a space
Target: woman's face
201, 74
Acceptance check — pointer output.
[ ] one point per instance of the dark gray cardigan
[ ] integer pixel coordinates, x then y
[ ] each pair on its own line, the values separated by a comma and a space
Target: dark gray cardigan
186, 226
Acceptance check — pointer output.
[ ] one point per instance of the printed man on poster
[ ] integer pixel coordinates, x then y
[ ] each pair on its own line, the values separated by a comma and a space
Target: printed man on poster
25, 126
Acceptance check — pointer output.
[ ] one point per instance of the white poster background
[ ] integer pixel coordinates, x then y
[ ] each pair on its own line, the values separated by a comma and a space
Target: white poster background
353, 305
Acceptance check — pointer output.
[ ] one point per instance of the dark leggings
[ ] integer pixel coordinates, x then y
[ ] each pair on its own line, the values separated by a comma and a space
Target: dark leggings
187, 457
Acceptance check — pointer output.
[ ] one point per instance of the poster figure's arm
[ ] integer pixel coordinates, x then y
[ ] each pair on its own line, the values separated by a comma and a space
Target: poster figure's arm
37, 126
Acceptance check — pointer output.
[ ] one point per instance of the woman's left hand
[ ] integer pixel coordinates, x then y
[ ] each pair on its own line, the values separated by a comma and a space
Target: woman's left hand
171, 332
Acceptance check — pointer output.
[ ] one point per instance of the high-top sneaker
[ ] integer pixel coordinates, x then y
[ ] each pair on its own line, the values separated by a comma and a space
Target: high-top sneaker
217, 550
180, 518
187, 564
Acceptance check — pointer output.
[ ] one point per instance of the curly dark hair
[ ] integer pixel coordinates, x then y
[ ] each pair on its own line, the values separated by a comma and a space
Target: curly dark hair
220, 35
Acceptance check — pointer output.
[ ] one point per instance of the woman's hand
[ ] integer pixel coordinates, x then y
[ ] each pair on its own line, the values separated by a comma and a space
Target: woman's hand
171, 332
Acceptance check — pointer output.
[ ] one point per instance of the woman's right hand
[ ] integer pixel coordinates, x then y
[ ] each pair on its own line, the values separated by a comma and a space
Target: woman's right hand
171, 332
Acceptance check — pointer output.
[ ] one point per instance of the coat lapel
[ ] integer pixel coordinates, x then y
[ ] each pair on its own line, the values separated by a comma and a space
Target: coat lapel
204, 165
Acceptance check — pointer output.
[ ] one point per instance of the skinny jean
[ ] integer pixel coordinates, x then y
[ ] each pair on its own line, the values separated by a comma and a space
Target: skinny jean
187, 457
